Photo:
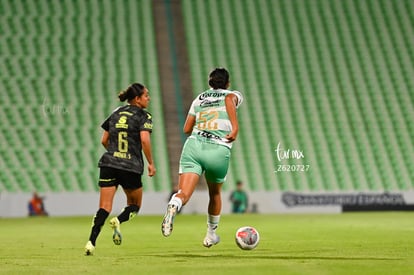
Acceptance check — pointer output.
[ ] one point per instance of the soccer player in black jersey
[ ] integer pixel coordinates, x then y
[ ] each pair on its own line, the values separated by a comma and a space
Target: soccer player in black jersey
126, 134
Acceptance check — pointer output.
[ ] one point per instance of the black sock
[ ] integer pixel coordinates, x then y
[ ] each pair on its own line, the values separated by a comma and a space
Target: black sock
128, 213
98, 221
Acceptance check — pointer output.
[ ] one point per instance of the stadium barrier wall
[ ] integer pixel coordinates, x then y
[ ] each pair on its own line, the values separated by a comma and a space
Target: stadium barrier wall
154, 203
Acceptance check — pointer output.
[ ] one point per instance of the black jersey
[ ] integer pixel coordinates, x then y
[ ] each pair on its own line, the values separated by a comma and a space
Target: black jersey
124, 148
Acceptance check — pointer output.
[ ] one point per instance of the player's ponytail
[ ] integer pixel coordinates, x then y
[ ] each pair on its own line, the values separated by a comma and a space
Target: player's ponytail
135, 89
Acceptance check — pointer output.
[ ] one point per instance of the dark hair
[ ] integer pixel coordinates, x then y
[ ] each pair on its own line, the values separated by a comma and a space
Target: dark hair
219, 78
135, 89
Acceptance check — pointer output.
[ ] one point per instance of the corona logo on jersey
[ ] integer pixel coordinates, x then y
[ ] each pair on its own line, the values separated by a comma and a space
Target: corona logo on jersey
205, 95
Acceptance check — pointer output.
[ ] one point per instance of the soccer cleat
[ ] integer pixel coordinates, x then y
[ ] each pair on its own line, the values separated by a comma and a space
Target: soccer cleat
116, 237
167, 222
210, 240
89, 249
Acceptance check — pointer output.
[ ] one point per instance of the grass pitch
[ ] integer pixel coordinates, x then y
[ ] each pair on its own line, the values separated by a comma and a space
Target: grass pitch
357, 243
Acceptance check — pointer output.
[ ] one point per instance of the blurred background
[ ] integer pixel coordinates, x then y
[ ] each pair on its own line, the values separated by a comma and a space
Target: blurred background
328, 86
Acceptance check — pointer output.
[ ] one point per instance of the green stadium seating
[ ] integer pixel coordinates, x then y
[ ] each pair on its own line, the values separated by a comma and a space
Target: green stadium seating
62, 65
329, 77
332, 78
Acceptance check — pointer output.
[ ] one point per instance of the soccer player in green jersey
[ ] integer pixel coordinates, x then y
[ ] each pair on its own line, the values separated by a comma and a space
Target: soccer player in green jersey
212, 126
126, 135
239, 199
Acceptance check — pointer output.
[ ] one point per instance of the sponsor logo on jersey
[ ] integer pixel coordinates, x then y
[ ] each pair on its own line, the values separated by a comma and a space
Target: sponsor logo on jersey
206, 134
210, 103
148, 125
205, 95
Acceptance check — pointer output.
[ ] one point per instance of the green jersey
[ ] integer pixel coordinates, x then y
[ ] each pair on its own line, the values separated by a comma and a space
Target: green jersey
212, 121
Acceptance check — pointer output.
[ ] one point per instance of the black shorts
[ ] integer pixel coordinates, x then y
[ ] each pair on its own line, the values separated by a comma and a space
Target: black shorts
113, 177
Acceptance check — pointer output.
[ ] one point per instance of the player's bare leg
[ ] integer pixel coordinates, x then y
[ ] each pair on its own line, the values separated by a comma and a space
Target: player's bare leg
187, 184
213, 217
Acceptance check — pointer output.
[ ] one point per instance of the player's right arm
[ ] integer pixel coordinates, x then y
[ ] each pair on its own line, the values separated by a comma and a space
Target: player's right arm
189, 124
105, 135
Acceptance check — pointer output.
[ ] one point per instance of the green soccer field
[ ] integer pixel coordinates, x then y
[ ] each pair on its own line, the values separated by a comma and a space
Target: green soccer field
358, 243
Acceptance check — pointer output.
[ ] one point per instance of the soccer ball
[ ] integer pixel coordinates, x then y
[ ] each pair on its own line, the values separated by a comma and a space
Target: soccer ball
247, 237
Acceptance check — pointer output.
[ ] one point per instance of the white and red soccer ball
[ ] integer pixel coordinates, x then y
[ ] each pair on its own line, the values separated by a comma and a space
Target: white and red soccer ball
247, 237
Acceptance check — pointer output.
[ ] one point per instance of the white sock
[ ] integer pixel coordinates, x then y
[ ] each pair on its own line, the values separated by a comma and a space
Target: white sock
212, 223
176, 202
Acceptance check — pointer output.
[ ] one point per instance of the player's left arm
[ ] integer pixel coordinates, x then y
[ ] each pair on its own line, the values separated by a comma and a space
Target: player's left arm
231, 102
146, 148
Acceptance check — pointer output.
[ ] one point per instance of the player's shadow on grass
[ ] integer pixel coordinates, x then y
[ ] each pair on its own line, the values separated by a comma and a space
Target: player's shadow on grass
278, 257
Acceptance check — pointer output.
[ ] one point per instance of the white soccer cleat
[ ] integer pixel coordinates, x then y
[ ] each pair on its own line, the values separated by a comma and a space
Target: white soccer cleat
89, 249
115, 225
167, 222
210, 240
